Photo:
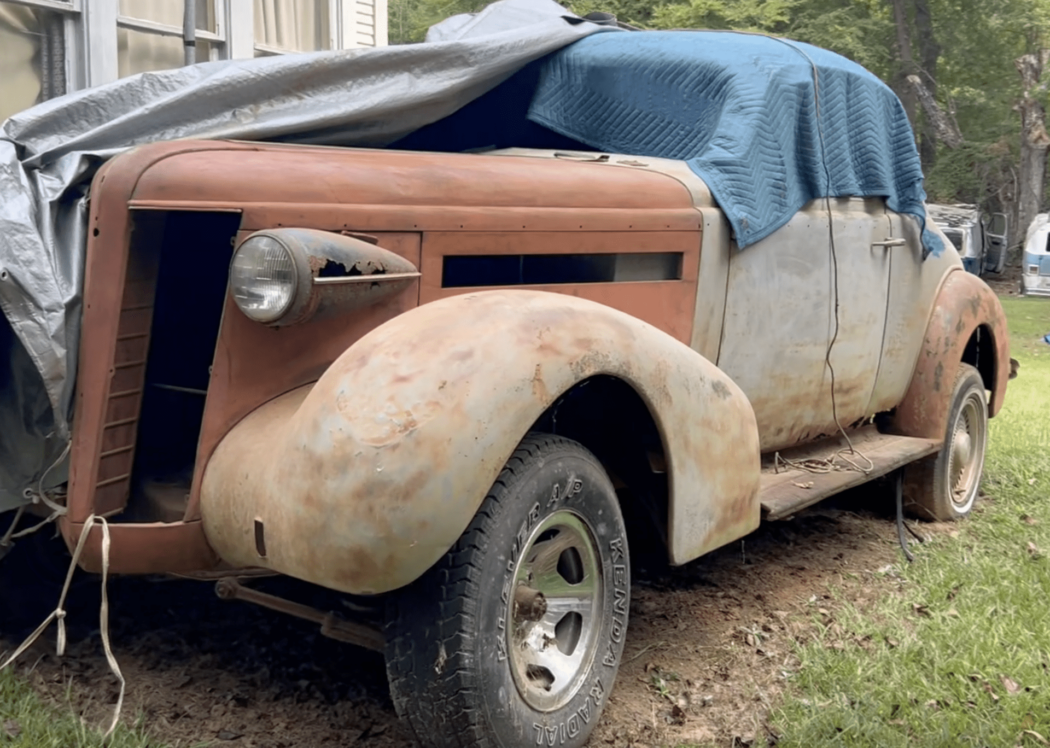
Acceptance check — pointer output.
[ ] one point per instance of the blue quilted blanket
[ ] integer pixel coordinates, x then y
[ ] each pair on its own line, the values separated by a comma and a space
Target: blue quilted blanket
769, 124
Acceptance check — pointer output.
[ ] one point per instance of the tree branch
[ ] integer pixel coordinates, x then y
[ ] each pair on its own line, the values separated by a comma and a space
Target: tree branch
945, 128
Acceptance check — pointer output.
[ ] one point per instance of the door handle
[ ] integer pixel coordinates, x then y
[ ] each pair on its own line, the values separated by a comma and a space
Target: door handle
887, 243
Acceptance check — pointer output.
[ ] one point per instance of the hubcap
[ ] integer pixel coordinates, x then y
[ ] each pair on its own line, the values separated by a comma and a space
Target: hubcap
966, 456
555, 611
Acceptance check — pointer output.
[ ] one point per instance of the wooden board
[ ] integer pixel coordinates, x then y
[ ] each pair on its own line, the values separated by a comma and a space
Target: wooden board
784, 491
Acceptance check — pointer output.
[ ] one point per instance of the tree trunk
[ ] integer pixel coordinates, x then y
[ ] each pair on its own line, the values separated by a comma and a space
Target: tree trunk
905, 60
1034, 139
929, 52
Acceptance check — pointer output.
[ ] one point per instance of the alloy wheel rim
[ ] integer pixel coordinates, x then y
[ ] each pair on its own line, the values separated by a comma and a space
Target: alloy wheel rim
555, 611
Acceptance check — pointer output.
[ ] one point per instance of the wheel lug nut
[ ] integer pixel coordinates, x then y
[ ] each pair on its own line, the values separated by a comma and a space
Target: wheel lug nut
529, 604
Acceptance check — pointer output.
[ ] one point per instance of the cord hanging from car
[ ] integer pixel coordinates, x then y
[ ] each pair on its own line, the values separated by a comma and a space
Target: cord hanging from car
850, 449
59, 614
38, 496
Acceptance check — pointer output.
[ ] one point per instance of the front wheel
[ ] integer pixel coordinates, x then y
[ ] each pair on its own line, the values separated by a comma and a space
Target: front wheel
944, 487
515, 637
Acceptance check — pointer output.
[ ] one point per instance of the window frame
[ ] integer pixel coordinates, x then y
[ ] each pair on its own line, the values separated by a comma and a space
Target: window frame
90, 33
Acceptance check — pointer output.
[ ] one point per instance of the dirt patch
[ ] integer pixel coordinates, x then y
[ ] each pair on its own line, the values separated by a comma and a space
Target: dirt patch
708, 647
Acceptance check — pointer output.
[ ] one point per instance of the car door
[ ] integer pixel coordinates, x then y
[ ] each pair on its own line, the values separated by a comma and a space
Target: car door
781, 317
995, 234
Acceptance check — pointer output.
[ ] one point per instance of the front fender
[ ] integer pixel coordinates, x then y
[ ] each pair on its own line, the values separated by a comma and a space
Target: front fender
963, 304
364, 480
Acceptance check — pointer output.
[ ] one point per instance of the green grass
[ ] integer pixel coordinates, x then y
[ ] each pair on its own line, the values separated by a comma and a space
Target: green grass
26, 721
961, 656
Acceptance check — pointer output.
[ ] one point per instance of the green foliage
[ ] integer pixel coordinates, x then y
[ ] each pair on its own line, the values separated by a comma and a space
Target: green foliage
976, 82
742, 15
408, 20
26, 721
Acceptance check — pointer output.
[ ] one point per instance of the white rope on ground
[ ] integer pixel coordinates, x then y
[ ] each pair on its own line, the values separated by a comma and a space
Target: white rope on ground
59, 614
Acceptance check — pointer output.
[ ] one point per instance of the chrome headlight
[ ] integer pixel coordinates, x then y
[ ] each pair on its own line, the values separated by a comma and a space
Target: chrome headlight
286, 276
263, 278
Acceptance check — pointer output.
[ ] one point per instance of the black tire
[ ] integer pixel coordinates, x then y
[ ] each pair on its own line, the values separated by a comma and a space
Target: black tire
467, 644
944, 487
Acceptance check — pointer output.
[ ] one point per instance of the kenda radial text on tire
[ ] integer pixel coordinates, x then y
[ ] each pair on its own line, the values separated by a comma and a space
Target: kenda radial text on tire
515, 636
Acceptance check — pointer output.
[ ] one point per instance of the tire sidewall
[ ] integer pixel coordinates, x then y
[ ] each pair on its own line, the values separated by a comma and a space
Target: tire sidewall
568, 480
969, 381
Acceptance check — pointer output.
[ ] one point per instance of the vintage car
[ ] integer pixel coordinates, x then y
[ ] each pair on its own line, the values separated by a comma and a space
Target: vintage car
981, 241
1035, 265
467, 387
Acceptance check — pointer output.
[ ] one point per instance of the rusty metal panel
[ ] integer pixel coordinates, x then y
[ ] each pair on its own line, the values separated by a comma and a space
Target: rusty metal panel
106, 320
709, 313
666, 304
963, 303
777, 328
364, 480
288, 175
862, 275
177, 547
255, 363
914, 283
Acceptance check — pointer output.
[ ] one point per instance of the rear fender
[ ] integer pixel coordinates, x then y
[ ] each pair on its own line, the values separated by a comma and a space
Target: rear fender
364, 480
963, 304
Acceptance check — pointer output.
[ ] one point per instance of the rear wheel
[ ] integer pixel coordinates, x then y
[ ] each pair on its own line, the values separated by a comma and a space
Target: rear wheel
944, 487
515, 637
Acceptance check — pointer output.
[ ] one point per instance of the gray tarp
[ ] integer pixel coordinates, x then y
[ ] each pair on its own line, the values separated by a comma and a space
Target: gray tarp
363, 97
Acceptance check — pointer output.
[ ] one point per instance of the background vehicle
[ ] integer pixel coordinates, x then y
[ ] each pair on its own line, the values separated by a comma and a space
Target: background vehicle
980, 240
1035, 264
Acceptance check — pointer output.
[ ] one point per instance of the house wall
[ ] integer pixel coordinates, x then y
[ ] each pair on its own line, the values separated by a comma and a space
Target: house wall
52, 47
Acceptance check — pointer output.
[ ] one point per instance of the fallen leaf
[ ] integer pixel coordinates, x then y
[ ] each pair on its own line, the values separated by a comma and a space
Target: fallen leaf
1033, 550
677, 715
932, 704
953, 533
892, 643
952, 612
229, 735
920, 610
954, 591
1037, 736
12, 729
1011, 686
1031, 481
990, 692
1029, 520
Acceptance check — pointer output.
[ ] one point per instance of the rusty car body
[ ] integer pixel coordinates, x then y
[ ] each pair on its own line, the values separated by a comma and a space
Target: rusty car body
446, 306
461, 383
268, 395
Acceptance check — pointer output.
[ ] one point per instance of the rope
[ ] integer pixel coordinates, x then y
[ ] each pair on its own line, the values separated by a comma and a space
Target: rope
5, 542
59, 614
825, 465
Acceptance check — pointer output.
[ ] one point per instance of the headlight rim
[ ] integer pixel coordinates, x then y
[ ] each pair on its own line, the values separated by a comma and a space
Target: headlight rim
295, 291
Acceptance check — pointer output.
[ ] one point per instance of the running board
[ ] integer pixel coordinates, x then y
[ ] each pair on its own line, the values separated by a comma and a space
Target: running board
785, 489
